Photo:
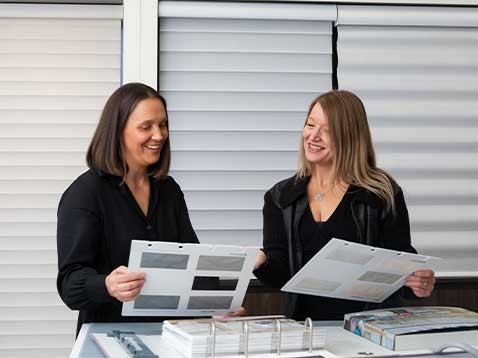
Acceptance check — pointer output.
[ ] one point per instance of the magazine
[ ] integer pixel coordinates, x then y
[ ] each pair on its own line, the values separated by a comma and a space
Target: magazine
415, 327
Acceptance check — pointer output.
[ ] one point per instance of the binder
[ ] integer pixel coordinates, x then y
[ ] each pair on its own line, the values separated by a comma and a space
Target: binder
243, 336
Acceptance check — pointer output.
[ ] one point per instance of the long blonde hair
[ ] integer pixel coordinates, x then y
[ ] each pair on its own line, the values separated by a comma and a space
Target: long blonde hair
353, 156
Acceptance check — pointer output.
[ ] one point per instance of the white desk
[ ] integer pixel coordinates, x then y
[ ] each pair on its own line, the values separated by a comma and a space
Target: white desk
339, 343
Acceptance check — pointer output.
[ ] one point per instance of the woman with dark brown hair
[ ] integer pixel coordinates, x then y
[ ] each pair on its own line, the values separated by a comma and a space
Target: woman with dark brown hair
126, 194
338, 191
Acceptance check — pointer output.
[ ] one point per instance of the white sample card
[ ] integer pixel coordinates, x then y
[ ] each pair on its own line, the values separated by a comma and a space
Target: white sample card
189, 279
352, 271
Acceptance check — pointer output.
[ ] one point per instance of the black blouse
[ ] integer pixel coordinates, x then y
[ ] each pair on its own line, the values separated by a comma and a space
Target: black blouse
97, 219
393, 231
313, 237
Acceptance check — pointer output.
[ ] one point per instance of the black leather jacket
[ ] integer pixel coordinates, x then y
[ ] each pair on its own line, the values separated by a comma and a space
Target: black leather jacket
284, 205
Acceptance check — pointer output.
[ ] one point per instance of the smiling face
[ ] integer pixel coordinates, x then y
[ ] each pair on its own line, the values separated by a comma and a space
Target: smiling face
144, 134
316, 137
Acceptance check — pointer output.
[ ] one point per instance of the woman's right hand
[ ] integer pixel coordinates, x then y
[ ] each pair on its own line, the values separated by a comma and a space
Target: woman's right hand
124, 285
260, 259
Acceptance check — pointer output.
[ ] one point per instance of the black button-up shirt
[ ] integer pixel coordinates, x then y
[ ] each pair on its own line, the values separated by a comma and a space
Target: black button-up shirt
98, 217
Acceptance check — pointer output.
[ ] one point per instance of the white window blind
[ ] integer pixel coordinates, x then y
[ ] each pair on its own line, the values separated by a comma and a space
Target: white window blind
58, 64
238, 79
416, 70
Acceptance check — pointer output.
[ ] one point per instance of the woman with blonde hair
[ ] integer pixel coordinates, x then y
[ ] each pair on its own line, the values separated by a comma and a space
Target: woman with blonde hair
338, 191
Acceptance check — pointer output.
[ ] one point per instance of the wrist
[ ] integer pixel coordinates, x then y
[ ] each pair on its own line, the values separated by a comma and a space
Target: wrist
97, 289
261, 260
107, 285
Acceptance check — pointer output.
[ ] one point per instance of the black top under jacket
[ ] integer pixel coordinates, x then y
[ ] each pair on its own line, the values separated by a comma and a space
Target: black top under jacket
98, 217
292, 237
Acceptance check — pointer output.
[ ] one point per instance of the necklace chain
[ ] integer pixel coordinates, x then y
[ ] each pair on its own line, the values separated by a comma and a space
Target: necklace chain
319, 196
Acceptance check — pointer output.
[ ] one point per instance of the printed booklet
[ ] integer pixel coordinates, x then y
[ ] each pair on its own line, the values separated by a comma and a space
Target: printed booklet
411, 328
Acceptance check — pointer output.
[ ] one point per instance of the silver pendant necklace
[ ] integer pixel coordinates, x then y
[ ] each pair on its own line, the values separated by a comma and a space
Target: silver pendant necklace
319, 196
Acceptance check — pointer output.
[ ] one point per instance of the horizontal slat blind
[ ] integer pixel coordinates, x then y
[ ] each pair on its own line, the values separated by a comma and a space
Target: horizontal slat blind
55, 75
416, 70
238, 84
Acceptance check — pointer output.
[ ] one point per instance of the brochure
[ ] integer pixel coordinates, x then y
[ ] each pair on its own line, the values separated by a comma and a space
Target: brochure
410, 328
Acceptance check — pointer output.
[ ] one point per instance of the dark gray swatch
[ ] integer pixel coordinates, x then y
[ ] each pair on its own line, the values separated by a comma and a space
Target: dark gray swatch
220, 263
210, 283
154, 302
380, 277
209, 302
164, 261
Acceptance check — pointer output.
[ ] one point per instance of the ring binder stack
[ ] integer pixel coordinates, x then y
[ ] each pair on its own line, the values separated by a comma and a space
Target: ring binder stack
242, 337
245, 331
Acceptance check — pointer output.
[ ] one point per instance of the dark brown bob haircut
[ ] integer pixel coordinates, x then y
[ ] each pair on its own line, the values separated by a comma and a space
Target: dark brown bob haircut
105, 152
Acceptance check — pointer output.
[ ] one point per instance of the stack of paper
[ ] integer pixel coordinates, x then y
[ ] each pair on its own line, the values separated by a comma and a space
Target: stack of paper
192, 338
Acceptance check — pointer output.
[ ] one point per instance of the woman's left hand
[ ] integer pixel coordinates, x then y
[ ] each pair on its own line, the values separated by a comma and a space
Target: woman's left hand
422, 282
237, 313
